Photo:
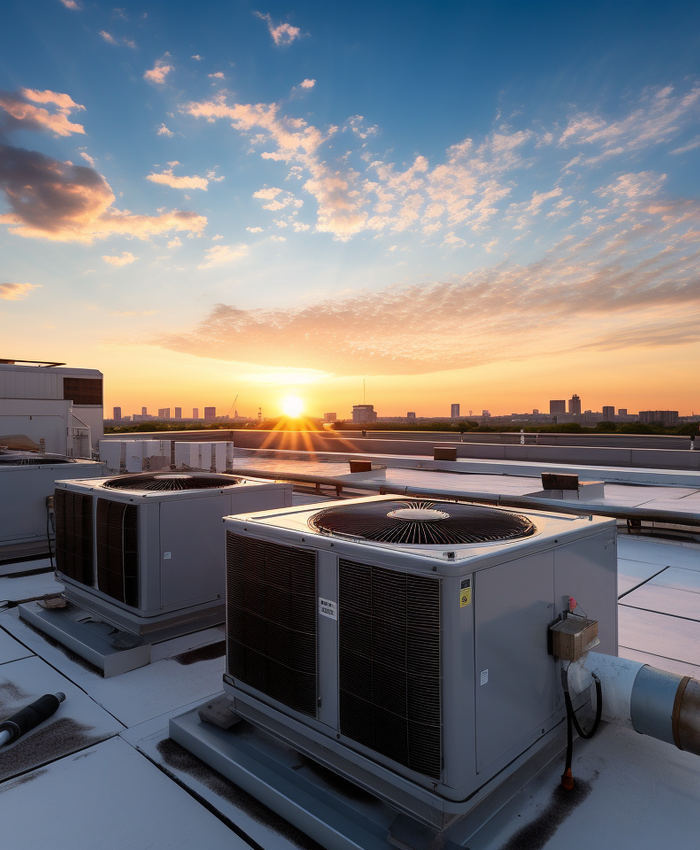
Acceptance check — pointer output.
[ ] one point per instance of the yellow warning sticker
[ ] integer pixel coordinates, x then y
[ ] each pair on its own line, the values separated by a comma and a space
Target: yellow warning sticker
465, 593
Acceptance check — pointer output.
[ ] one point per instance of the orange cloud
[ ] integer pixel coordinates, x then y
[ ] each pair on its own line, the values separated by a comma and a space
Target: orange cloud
15, 291
282, 33
159, 71
26, 116
124, 259
222, 254
167, 178
63, 202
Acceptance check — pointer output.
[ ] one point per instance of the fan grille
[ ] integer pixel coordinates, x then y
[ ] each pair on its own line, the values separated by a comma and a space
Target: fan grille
171, 481
31, 460
422, 523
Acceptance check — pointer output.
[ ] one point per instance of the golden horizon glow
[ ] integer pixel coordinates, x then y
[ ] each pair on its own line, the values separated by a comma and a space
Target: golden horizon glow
292, 406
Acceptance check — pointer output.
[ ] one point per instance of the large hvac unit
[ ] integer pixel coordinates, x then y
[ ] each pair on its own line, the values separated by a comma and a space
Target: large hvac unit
146, 551
27, 479
403, 643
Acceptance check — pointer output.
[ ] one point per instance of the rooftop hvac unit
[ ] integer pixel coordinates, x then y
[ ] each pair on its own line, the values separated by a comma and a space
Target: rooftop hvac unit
142, 560
27, 479
403, 642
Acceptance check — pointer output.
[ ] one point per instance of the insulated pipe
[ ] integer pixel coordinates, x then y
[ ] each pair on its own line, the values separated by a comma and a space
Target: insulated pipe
652, 702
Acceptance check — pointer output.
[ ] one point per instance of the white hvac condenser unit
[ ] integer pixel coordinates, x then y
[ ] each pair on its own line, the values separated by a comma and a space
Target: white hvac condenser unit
145, 553
27, 480
403, 642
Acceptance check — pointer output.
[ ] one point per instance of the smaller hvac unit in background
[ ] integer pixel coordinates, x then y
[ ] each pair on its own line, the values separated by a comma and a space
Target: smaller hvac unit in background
27, 480
145, 553
403, 643
152, 455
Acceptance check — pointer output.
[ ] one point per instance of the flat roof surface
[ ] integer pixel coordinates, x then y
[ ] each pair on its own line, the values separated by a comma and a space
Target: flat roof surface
102, 772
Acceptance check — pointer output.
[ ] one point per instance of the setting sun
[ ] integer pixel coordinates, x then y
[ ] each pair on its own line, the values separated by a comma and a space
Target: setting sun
292, 406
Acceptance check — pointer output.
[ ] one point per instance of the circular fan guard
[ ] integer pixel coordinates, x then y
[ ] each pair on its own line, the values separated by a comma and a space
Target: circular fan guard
171, 481
11, 459
435, 523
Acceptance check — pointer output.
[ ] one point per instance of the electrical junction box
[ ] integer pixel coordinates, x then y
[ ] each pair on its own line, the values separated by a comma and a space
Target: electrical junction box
573, 636
403, 642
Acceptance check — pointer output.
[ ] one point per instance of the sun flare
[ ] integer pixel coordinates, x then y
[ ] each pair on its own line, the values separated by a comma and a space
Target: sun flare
292, 406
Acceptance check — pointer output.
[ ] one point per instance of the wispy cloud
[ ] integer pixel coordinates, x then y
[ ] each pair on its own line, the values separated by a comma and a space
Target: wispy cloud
218, 75
159, 71
70, 4
167, 178
282, 33
24, 115
307, 84
123, 259
632, 270
221, 255
163, 131
16, 291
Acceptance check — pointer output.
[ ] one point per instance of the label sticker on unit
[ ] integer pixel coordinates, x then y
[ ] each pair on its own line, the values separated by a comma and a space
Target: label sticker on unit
465, 593
327, 608
484, 677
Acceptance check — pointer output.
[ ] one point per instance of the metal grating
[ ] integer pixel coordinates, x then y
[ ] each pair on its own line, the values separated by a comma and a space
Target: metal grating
389, 656
416, 522
74, 537
271, 620
171, 481
117, 533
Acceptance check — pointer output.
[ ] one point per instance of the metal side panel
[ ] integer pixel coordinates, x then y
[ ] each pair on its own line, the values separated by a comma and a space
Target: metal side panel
192, 541
515, 677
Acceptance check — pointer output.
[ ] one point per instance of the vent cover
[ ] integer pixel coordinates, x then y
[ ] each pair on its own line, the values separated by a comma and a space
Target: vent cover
22, 459
117, 532
389, 657
421, 523
271, 620
74, 538
170, 481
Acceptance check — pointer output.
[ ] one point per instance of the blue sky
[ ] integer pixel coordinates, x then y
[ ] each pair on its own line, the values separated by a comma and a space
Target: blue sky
486, 203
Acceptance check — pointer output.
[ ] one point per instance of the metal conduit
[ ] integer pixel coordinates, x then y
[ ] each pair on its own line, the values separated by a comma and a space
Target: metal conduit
522, 502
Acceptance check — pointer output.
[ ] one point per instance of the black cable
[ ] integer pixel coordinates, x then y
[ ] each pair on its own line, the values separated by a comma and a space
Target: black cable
598, 711
567, 779
48, 532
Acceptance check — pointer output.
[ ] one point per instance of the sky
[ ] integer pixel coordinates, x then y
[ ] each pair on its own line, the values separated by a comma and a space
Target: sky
486, 203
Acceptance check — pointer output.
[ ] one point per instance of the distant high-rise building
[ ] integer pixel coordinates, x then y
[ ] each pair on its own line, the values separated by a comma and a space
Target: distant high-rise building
535, 412
164, 413
454, 411
363, 413
329, 417
411, 414
575, 405
117, 413
608, 412
195, 413
622, 411
557, 406
144, 411
210, 413
669, 418
178, 413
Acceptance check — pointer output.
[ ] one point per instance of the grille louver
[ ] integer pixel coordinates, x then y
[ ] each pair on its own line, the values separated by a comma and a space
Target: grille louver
389, 656
420, 523
74, 537
171, 481
117, 531
271, 620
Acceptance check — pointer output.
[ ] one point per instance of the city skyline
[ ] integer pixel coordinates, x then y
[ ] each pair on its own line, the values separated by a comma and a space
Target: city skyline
244, 201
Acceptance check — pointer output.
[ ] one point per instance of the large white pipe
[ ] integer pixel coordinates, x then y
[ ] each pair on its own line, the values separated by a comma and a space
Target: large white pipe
650, 701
